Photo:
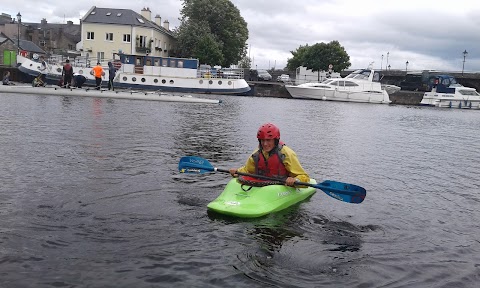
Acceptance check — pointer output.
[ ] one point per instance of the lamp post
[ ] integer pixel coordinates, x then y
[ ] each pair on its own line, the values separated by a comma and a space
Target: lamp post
388, 53
19, 18
388, 67
381, 64
465, 53
406, 67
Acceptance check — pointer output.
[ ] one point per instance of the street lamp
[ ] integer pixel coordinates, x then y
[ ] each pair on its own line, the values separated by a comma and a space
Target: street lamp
465, 53
406, 67
389, 67
388, 53
381, 65
19, 18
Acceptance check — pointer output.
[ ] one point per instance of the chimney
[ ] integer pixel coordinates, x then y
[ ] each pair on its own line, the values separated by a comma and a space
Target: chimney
158, 20
44, 21
166, 25
147, 13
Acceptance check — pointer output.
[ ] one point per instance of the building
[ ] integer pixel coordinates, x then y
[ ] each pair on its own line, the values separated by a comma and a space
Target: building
9, 49
106, 31
52, 38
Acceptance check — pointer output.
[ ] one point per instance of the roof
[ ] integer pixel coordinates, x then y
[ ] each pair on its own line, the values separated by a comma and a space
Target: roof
29, 46
121, 17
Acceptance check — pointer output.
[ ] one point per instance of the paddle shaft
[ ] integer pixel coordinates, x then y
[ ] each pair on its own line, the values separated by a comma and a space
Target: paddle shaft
265, 177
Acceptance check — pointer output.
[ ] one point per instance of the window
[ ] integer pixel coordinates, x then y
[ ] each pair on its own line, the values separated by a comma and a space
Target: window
108, 14
90, 35
140, 20
126, 38
100, 56
142, 41
109, 36
43, 43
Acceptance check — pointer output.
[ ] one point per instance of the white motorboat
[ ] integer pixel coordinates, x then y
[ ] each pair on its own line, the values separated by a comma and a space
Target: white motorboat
166, 74
446, 92
89, 92
359, 86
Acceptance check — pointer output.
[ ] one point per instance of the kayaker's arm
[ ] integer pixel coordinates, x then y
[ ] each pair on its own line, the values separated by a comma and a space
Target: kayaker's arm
293, 165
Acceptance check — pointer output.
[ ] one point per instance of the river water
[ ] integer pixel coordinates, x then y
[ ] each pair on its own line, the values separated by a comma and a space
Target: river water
90, 195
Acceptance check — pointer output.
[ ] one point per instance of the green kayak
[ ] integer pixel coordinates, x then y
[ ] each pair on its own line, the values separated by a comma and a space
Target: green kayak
250, 202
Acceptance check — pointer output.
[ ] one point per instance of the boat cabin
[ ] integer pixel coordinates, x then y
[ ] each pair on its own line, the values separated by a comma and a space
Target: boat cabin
443, 83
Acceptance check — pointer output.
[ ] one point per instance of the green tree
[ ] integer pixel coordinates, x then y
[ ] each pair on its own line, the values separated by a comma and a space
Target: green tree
211, 24
246, 62
298, 58
318, 56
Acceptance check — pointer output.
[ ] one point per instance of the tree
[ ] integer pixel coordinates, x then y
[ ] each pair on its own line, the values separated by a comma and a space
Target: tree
246, 62
298, 58
211, 24
318, 56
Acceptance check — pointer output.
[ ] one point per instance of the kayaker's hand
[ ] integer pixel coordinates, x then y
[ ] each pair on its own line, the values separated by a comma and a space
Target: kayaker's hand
233, 172
290, 181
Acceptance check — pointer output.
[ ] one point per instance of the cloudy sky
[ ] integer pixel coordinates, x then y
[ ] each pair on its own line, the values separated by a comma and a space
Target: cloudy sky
427, 34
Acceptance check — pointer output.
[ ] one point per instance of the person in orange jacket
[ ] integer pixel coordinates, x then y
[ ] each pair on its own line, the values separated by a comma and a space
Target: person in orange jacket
98, 72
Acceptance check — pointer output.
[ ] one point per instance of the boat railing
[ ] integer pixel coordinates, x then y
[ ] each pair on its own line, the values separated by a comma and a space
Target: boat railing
220, 74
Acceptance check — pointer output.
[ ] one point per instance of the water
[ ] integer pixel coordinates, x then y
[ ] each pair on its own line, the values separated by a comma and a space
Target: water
90, 195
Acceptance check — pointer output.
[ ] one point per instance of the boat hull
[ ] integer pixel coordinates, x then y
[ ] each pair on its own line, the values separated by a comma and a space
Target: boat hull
257, 201
328, 94
448, 100
132, 95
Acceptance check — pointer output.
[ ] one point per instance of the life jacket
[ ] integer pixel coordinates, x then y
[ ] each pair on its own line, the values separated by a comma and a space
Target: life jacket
273, 167
68, 69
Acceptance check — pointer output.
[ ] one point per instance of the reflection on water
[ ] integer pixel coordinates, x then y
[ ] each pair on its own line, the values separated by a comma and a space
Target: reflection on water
91, 195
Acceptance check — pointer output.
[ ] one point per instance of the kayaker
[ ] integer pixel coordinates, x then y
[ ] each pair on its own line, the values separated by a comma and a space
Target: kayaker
273, 158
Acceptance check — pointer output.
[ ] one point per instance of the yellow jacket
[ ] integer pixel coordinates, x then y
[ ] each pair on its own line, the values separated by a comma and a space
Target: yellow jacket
291, 164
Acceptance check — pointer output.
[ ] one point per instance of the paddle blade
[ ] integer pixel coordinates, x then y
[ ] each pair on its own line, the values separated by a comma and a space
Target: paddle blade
343, 191
193, 164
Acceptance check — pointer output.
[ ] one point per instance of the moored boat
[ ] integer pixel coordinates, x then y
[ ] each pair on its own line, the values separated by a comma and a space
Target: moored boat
167, 74
250, 202
87, 92
446, 92
359, 86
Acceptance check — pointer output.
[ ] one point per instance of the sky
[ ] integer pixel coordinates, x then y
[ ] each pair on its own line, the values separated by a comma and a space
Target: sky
429, 35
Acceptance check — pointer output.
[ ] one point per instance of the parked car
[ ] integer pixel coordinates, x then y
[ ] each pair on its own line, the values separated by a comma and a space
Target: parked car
263, 75
284, 78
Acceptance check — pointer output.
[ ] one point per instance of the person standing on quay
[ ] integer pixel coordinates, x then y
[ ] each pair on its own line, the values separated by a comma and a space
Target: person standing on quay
111, 75
98, 73
67, 74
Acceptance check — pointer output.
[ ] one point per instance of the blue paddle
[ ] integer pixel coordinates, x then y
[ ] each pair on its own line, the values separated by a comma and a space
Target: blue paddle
341, 191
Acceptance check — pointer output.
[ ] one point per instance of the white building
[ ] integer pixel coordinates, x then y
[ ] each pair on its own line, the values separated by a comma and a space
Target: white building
106, 31
304, 75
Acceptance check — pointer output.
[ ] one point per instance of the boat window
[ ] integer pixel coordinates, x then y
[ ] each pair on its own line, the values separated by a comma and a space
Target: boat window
164, 62
149, 62
164, 81
220, 82
172, 63
201, 81
171, 81
143, 79
180, 64
155, 80
157, 62
229, 82
350, 84
468, 92
124, 78
134, 79
210, 82
138, 61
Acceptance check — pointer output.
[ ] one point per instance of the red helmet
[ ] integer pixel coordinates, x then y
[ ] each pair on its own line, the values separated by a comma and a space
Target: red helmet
268, 131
